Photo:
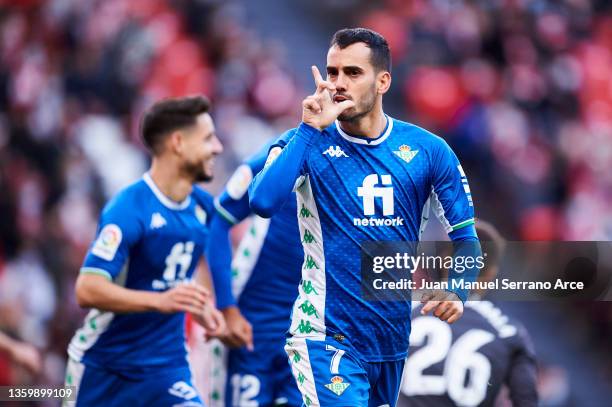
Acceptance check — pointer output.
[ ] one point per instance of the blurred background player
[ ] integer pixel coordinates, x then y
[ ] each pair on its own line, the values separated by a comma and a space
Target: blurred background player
469, 362
364, 177
137, 275
266, 273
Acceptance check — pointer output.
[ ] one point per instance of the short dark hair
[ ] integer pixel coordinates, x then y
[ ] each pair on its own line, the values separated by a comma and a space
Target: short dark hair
380, 54
169, 115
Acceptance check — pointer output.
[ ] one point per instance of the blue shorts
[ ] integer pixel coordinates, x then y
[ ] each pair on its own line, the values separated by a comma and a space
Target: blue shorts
329, 373
261, 377
99, 387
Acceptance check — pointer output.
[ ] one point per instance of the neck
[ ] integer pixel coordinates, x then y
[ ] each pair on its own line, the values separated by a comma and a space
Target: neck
370, 125
169, 180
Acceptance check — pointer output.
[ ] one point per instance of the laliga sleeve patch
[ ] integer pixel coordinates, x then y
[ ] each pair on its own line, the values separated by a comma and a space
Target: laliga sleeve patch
273, 155
238, 184
108, 242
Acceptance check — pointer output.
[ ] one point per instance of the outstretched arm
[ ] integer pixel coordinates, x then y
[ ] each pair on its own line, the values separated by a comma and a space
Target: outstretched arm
97, 291
452, 203
219, 254
232, 206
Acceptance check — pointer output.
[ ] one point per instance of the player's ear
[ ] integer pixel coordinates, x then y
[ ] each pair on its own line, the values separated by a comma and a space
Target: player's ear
175, 142
383, 82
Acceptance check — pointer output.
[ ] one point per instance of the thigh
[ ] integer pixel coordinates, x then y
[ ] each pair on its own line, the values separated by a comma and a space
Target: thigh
386, 390
286, 392
249, 381
327, 373
96, 387
173, 387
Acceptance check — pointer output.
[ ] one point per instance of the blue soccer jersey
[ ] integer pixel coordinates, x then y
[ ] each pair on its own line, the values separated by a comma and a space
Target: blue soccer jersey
262, 280
144, 242
352, 190
267, 263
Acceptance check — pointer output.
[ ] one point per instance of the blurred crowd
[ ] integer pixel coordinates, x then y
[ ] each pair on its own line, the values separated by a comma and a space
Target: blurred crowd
520, 89
74, 79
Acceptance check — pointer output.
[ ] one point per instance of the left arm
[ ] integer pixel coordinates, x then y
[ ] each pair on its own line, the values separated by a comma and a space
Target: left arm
209, 317
452, 203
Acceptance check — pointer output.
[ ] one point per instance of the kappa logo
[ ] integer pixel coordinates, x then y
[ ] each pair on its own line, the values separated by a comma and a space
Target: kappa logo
182, 390
157, 221
335, 151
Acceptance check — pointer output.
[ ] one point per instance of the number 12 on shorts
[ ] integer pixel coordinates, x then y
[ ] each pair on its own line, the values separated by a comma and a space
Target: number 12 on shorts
245, 390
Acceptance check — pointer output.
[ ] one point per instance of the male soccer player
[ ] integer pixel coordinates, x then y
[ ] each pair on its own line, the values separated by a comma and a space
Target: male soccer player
466, 364
137, 274
363, 177
267, 271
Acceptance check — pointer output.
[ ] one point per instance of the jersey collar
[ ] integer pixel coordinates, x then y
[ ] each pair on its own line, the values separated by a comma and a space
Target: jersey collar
367, 140
167, 202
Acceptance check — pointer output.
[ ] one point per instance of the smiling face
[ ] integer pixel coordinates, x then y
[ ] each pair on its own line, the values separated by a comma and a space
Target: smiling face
350, 69
198, 147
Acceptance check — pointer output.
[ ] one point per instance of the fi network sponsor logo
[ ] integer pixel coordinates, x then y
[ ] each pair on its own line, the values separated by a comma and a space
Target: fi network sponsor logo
370, 193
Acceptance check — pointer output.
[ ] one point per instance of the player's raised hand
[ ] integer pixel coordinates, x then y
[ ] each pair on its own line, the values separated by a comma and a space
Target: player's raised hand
445, 305
239, 331
191, 297
319, 109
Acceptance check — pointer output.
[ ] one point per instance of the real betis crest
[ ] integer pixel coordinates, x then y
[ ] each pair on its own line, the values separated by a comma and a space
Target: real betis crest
200, 214
405, 153
337, 385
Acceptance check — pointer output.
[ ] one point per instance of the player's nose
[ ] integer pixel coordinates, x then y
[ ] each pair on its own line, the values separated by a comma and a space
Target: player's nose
218, 146
340, 83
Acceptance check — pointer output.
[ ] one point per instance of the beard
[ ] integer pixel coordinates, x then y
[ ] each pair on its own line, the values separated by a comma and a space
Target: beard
196, 171
364, 107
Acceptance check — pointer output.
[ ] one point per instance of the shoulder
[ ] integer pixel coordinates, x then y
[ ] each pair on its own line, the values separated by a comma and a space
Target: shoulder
418, 134
506, 326
123, 218
129, 200
284, 138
